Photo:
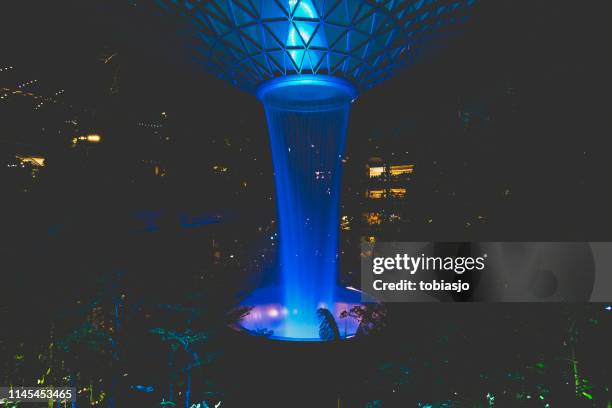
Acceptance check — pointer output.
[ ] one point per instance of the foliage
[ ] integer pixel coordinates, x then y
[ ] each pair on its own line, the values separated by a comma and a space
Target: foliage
371, 317
86, 334
328, 328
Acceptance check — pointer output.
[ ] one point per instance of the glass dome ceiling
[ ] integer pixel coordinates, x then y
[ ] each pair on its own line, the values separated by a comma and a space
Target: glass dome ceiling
247, 42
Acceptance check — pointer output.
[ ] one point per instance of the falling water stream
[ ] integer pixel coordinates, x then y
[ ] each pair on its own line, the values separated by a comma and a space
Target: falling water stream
307, 150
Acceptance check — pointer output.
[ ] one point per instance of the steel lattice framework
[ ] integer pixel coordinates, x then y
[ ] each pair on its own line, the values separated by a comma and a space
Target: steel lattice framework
247, 42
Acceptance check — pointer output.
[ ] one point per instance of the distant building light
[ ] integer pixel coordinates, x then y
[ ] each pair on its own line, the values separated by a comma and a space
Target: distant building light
373, 218
397, 192
394, 218
33, 160
376, 171
401, 169
159, 171
375, 194
220, 169
90, 138
345, 223
94, 138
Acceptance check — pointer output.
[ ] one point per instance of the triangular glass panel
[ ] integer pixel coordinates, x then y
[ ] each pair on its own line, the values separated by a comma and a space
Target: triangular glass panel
320, 7
333, 33
360, 52
365, 25
356, 39
353, 63
253, 32
220, 27
249, 47
337, 15
241, 17
255, 5
365, 10
305, 30
316, 59
353, 8
224, 10
277, 58
246, 7
270, 41
272, 9
213, 11
279, 29
319, 39
304, 9
234, 40
335, 61
262, 62
294, 60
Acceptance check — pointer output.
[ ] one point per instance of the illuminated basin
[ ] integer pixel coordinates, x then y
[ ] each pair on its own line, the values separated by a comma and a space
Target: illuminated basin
270, 317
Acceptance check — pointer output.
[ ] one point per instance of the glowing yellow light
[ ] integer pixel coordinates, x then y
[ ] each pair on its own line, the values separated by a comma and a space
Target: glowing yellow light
397, 192
373, 218
33, 160
376, 171
94, 138
375, 194
345, 223
401, 169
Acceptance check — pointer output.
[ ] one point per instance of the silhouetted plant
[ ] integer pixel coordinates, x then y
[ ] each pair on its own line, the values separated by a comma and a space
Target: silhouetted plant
328, 328
371, 317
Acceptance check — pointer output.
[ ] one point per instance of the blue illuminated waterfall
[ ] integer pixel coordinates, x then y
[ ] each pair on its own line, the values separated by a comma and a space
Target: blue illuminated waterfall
307, 120
305, 61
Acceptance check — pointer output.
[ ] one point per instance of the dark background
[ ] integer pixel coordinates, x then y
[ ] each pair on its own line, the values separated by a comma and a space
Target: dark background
510, 123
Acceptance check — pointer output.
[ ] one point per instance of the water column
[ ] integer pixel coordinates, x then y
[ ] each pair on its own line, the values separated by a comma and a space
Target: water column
307, 118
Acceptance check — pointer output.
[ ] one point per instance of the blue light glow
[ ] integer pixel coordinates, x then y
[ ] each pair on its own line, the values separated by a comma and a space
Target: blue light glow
305, 32
305, 60
307, 119
249, 42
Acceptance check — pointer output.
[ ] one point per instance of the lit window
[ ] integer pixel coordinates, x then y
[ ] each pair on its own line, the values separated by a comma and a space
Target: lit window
220, 169
91, 138
397, 192
159, 171
376, 171
345, 223
94, 138
373, 218
375, 194
401, 169
33, 160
